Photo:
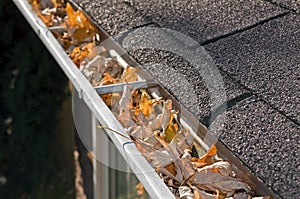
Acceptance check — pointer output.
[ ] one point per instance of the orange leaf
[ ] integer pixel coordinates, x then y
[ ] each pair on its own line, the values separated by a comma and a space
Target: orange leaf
79, 27
129, 75
107, 79
208, 158
139, 189
45, 18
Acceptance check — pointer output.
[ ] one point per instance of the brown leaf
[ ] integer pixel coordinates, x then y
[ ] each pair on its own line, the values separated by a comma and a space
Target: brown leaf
141, 133
200, 194
186, 168
166, 114
170, 128
47, 19
78, 54
125, 108
168, 171
183, 140
210, 180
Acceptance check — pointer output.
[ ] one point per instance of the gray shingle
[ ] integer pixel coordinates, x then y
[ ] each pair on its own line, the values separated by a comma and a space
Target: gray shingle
266, 59
291, 4
266, 141
167, 58
114, 16
206, 19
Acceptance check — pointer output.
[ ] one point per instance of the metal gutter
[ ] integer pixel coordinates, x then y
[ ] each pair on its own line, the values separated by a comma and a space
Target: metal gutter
151, 181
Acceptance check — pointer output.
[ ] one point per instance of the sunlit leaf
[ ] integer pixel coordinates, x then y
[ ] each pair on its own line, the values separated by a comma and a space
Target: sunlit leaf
78, 25
129, 75
208, 158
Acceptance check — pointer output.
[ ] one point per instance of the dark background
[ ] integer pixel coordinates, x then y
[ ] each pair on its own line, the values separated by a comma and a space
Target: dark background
33, 90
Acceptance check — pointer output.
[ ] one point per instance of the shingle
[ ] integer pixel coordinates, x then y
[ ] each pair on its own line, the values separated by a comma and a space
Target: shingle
266, 59
266, 141
172, 62
206, 19
291, 4
114, 16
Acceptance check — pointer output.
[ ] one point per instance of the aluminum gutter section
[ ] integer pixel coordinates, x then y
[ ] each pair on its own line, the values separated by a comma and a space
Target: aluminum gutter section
155, 187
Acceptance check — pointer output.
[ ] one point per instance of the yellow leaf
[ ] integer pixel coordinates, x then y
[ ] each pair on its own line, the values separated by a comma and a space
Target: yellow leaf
129, 75
171, 130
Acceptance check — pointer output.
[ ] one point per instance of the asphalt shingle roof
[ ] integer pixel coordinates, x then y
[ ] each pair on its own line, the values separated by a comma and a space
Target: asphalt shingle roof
266, 141
114, 16
206, 19
290, 4
266, 59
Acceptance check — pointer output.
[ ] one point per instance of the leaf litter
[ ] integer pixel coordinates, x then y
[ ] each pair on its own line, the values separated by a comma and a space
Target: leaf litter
151, 123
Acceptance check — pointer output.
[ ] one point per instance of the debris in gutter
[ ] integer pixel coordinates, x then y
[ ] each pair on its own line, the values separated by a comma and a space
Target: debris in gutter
151, 123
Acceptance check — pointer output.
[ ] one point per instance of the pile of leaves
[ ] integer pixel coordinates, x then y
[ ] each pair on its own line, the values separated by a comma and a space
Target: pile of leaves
80, 38
181, 162
151, 123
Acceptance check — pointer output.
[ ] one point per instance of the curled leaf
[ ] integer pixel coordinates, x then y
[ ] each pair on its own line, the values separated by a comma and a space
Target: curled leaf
210, 180
208, 158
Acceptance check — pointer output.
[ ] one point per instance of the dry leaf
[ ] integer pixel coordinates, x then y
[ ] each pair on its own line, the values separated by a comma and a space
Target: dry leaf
223, 167
169, 127
200, 194
125, 108
186, 168
142, 133
79, 27
107, 79
46, 18
168, 171
159, 137
129, 75
210, 180
183, 140
166, 114
158, 158
139, 189
208, 158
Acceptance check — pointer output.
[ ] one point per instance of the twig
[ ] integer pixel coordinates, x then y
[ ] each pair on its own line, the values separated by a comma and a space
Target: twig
114, 131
